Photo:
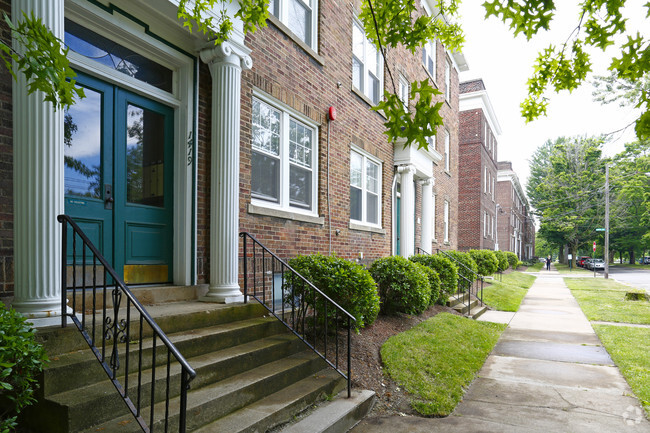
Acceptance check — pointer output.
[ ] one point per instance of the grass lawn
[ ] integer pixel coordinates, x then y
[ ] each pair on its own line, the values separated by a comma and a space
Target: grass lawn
564, 269
627, 265
536, 267
438, 359
604, 300
506, 295
629, 348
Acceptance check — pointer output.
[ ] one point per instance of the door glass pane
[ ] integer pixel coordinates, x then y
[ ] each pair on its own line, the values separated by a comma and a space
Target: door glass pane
145, 156
103, 50
83, 145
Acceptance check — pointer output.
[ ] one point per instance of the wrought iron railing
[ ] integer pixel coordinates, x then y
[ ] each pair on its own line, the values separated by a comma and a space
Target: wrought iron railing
310, 314
117, 340
473, 286
419, 250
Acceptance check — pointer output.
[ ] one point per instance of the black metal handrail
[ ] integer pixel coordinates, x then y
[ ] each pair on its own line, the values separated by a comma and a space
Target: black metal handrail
475, 286
116, 330
297, 303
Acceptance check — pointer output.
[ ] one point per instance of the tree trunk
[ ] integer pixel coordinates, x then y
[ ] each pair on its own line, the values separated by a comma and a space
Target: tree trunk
631, 251
560, 255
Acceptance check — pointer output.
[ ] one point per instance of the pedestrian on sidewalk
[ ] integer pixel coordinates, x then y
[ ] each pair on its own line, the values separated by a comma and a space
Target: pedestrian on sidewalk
548, 263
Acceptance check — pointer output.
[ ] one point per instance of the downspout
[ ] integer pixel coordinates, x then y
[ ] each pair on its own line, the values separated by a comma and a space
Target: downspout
329, 209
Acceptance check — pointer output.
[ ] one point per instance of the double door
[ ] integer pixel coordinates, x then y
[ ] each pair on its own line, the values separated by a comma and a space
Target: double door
119, 179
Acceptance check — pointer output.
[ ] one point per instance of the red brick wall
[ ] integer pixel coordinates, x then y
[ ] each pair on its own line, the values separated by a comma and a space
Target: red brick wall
6, 162
282, 69
203, 176
291, 75
473, 200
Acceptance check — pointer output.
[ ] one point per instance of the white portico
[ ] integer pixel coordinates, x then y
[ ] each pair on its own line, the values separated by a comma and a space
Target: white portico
414, 165
39, 176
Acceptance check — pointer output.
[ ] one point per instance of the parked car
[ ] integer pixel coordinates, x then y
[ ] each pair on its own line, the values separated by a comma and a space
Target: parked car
585, 262
644, 261
597, 264
580, 261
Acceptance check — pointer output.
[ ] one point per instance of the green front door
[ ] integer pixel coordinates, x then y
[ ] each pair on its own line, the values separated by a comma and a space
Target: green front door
118, 179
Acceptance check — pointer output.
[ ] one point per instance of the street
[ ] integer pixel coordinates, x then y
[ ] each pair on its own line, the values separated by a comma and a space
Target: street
633, 276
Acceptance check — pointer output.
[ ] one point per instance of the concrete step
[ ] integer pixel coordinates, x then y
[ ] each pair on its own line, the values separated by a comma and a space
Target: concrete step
171, 317
147, 295
214, 401
79, 368
457, 299
277, 408
99, 402
464, 308
336, 416
477, 311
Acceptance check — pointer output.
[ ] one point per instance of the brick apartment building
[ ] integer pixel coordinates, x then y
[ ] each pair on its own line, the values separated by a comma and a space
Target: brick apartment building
477, 205
515, 224
180, 144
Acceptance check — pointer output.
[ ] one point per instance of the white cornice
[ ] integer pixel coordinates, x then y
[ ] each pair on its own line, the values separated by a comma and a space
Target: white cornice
480, 99
511, 176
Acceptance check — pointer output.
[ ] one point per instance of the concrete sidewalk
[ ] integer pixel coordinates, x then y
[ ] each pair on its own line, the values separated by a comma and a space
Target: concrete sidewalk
548, 373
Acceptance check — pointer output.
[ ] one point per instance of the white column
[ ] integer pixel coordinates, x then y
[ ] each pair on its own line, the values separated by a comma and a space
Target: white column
37, 186
427, 214
407, 210
226, 62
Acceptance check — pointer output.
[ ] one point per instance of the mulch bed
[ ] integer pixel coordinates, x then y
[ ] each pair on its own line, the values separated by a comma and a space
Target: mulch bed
367, 369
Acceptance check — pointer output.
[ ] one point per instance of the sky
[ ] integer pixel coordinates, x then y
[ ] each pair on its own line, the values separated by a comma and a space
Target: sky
505, 63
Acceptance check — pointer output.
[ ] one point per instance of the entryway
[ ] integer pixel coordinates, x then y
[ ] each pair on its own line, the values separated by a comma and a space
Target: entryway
119, 179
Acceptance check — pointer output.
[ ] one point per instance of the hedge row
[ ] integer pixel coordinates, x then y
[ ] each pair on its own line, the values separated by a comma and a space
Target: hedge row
392, 284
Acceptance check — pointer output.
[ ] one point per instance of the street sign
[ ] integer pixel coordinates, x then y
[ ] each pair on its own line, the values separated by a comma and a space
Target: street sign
594, 246
600, 230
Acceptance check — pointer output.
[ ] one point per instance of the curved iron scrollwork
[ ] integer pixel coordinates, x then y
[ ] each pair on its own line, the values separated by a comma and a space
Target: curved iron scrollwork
115, 330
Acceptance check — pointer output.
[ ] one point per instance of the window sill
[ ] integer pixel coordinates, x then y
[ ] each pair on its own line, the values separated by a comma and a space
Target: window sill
365, 99
431, 77
365, 228
306, 48
288, 215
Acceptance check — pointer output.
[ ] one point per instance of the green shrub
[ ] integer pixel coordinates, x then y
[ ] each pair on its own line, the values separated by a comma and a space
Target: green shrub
486, 261
21, 360
513, 260
502, 259
438, 296
403, 285
347, 283
446, 270
470, 267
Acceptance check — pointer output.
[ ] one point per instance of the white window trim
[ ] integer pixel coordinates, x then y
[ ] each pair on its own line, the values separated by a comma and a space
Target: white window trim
447, 81
131, 35
433, 219
404, 86
484, 224
366, 155
364, 66
447, 156
485, 184
286, 113
446, 221
284, 19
